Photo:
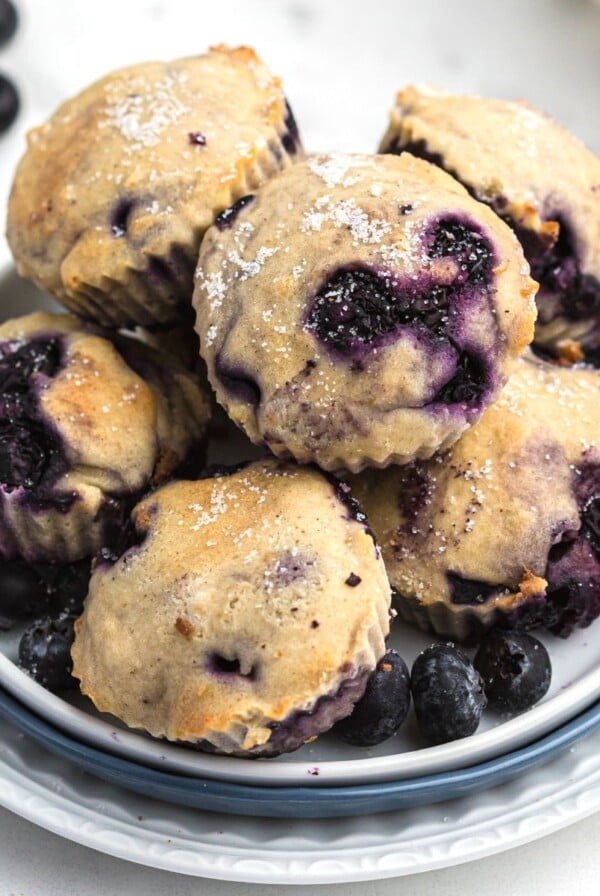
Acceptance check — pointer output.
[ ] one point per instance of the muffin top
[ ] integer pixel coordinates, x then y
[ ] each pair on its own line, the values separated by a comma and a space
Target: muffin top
246, 612
509, 512
115, 190
533, 173
82, 414
360, 310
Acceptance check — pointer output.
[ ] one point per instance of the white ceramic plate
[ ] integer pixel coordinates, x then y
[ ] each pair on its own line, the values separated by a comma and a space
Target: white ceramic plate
55, 795
575, 685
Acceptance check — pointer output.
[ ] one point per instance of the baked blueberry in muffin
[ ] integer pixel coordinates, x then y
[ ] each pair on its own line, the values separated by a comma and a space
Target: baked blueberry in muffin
87, 423
245, 617
504, 528
116, 189
535, 175
360, 310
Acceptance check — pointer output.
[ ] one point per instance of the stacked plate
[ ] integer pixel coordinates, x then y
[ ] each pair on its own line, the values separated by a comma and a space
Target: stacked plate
327, 778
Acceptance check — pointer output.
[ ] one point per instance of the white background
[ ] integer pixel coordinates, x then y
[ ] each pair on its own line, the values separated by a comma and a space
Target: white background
341, 63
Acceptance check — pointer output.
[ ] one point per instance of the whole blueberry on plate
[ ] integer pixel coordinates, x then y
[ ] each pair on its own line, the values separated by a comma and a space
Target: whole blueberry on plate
8, 21
447, 692
515, 668
382, 708
71, 586
45, 652
23, 594
9, 103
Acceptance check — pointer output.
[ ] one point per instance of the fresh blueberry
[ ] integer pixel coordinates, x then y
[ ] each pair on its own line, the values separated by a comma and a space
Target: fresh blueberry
8, 21
45, 652
9, 103
382, 708
23, 593
447, 692
515, 668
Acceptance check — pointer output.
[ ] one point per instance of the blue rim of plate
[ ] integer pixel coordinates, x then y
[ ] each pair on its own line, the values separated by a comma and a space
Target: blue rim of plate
297, 802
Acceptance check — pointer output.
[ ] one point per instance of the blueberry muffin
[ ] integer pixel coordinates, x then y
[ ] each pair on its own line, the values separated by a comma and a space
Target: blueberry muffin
245, 617
535, 175
360, 310
115, 191
87, 423
504, 528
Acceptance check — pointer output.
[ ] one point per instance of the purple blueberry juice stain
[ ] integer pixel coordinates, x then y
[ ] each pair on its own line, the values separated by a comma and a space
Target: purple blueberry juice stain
467, 384
357, 310
227, 218
301, 725
291, 568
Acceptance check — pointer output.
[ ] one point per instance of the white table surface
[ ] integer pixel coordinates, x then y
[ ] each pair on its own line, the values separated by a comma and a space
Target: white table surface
341, 63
